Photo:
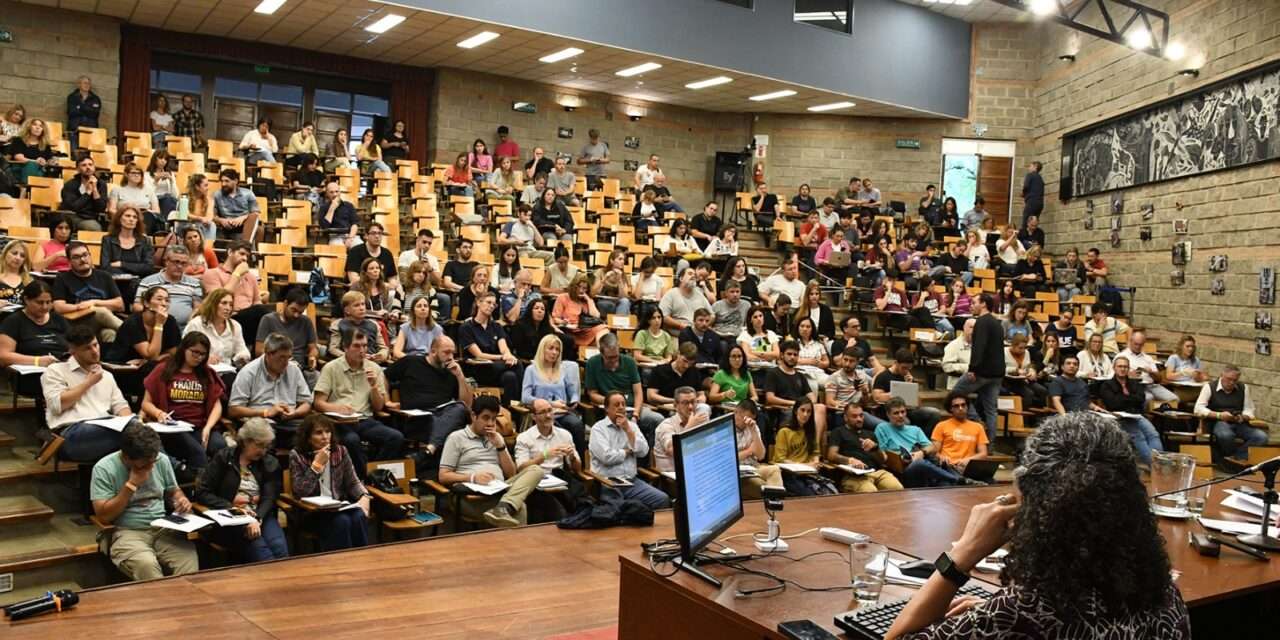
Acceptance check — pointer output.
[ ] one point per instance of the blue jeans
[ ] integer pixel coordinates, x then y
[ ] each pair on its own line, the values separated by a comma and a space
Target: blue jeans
187, 448
643, 492
343, 530
943, 325
1146, 440
1067, 293
385, 443
988, 392
621, 306
251, 159
923, 473
270, 545
1224, 437
86, 442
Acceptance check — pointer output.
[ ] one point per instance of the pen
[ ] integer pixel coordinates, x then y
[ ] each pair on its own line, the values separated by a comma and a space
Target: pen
1240, 547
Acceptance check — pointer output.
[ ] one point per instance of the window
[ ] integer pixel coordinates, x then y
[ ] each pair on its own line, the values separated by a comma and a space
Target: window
176, 82
232, 88
836, 15
371, 105
281, 94
333, 100
359, 124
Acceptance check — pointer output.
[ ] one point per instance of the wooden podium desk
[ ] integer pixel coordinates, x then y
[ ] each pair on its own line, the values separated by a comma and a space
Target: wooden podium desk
921, 523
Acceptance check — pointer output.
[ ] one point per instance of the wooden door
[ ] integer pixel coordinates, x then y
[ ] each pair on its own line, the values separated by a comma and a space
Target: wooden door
285, 120
327, 124
994, 178
235, 118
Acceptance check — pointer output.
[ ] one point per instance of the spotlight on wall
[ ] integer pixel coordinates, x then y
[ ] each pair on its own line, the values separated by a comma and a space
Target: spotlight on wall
1067, 57
569, 108
635, 118
1190, 73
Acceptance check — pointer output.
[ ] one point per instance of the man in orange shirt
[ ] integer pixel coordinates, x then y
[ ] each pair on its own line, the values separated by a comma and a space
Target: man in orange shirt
958, 438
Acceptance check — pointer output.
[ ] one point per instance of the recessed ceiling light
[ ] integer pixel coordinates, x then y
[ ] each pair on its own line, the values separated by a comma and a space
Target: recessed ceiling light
770, 96
385, 23
269, 6
709, 82
832, 107
563, 54
638, 69
478, 39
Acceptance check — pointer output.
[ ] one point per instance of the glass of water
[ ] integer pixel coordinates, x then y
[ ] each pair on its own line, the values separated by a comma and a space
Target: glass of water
1171, 474
868, 562
1197, 498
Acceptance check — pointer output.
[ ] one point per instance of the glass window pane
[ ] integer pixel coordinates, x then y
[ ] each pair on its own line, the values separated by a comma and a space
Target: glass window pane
836, 15
178, 82
334, 100
359, 124
281, 94
232, 88
371, 105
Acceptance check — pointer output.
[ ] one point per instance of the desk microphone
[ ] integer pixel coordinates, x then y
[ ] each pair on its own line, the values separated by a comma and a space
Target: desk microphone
56, 601
1266, 466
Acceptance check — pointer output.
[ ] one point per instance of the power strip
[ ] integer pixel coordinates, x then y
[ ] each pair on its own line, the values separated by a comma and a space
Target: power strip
775, 546
843, 536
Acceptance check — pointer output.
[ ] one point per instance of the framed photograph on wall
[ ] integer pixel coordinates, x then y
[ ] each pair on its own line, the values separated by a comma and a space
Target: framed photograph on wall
1262, 320
1117, 203
1218, 263
1177, 277
631, 142
564, 132
1267, 286
1180, 227
1218, 287
630, 165
1262, 346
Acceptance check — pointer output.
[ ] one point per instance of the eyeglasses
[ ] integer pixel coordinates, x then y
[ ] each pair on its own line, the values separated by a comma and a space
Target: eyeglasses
959, 405
80, 256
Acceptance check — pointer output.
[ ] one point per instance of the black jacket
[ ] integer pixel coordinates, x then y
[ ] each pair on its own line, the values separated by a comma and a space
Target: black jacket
82, 112
218, 484
986, 357
548, 219
138, 261
82, 204
1114, 399
1033, 188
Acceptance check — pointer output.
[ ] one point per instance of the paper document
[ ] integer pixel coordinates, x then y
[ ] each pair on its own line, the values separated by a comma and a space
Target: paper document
321, 502
177, 426
551, 482
24, 369
226, 518
493, 488
115, 423
854, 470
223, 367
415, 413
668, 474
1248, 504
190, 522
747, 471
343, 416
1233, 526
796, 468
1126, 414
895, 575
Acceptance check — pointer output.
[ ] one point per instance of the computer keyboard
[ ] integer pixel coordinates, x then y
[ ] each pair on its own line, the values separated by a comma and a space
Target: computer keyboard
872, 623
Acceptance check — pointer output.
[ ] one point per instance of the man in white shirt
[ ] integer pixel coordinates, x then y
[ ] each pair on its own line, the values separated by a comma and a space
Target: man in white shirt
78, 390
1145, 368
1228, 405
259, 145
524, 235
687, 417
1009, 249
786, 281
550, 447
645, 174
955, 357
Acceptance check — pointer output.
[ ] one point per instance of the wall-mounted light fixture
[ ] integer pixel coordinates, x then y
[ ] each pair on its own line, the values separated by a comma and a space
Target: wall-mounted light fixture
634, 118
1067, 57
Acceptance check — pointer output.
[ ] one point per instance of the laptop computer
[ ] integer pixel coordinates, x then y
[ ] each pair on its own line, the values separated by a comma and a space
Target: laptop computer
981, 469
908, 391
839, 258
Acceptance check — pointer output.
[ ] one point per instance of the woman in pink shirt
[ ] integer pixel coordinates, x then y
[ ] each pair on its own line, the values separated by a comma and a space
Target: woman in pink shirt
570, 308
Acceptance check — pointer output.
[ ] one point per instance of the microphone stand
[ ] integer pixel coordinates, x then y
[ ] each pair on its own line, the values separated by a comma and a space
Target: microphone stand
1269, 497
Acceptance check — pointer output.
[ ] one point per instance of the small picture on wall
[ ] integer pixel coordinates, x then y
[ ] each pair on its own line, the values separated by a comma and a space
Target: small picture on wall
1148, 211
631, 142
1180, 226
1181, 252
1117, 203
1088, 206
1177, 277
1115, 237
1262, 320
1262, 346
1267, 286
564, 132
1115, 224
1218, 263
630, 165
1218, 287
1144, 233
1088, 223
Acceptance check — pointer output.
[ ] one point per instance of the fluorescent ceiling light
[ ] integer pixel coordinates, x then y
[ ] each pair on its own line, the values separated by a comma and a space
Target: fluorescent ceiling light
709, 82
770, 96
1140, 38
638, 69
1043, 7
385, 23
269, 6
478, 39
563, 54
831, 107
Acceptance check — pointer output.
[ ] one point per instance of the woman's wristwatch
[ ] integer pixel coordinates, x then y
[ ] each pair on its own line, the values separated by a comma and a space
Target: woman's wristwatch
948, 569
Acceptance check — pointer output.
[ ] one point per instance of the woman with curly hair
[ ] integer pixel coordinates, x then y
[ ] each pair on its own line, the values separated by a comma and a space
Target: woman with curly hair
1086, 559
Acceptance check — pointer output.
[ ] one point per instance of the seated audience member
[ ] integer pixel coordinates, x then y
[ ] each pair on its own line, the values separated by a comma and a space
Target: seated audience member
787, 281
85, 196
246, 478
320, 466
976, 217
868, 194
576, 313
958, 438
1106, 325
732, 382
813, 361
135, 193
751, 452
201, 208
955, 356
87, 296
1020, 374
1072, 466
834, 244
680, 372
705, 226
976, 250
147, 337
644, 174
616, 445
785, 385
653, 344
1049, 363
1095, 364
213, 319
234, 275
760, 342
477, 454
812, 307
27, 150
372, 248
552, 378
201, 257
929, 308
186, 389
955, 265
353, 317
434, 383
308, 181
900, 371
421, 252
126, 249
730, 313
781, 321
480, 284
336, 216
51, 255
232, 203
609, 286
611, 370
550, 447
853, 443
338, 152
33, 335
369, 159
524, 235
646, 213
848, 385
129, 489
1145, 367
419, 330
1064, 327
1009, 250
686, 417
1185, 365
662, 194
680, 303
647, 288
293, 322
1096, 272
910, 443
259, 144
724, 246
1030, 273
737, 270
851, 337
847, 197
552, 218
765, 206
535, 323
483, 343
1031, 235
354, 386
77, 390
1067, 391
681, 244
798, 441
562, 181
184, 292
533, 189
1228, 405
1018, 322
504, 182
538, 164
383, 304
1124, 392
709, 346
272, 386
1069, 276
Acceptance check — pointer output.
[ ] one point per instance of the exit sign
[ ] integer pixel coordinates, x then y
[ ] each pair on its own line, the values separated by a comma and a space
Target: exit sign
261, 68
907, 143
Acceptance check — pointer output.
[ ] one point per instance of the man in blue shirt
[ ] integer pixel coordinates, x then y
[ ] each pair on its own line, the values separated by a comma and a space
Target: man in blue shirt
616, 444
233, 204
915, 448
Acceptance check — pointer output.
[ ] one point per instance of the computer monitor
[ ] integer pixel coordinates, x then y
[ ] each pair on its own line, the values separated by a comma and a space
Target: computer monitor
708, 498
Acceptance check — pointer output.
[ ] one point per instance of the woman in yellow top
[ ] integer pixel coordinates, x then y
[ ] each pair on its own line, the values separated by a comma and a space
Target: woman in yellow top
799, 442
369, 155
302, 145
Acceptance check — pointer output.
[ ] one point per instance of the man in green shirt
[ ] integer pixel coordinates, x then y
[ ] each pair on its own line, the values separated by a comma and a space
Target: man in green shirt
128, 490
610, 370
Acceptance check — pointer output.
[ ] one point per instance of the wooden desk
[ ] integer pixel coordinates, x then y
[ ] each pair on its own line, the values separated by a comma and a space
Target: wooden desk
541, 581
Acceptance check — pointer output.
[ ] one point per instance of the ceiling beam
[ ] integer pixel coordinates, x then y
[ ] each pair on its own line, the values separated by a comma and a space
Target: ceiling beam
1130, 16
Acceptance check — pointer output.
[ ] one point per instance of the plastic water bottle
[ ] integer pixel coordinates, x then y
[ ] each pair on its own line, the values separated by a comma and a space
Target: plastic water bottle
184, 206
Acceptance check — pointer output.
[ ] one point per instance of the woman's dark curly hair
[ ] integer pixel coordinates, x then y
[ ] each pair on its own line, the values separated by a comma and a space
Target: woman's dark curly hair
1084, 536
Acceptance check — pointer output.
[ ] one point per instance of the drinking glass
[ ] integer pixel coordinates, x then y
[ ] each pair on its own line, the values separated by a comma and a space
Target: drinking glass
868, 562
1171, 472
1197, 498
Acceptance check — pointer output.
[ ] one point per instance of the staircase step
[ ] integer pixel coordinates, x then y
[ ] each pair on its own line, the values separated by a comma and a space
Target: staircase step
61, 540
19, 509
27, 592
20, 465
6, 440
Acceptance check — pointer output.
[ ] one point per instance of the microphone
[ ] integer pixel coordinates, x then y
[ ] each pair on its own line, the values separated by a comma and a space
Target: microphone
1266, 466
56, 601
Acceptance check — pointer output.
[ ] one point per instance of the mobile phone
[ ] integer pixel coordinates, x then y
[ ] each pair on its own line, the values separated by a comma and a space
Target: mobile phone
804, 630
176, 519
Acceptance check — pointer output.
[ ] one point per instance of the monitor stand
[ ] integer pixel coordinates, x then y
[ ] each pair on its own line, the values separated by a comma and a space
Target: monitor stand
692, 567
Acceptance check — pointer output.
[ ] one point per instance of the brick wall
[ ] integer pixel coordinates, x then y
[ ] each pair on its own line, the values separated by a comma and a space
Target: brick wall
1230, 212
51, 48
470, 105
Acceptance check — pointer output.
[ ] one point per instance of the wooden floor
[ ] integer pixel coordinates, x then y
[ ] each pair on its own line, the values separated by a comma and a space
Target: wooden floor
533, 582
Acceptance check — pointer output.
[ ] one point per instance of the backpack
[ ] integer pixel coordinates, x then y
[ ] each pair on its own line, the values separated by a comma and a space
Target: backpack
385, 481
318, 286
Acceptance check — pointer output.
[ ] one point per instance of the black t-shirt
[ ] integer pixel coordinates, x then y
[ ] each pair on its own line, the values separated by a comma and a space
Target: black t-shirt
309, 178
391, 154
770, 203
357, 254
860, 344
132, 331
787, 386
665, 380
49, 339
1068, 339
485, 337
849, 445
72, 288
707, 224
460, 272
422, 386
545, 165
883, 379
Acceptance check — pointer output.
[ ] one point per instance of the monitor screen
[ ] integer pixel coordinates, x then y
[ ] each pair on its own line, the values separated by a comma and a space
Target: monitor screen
708, 499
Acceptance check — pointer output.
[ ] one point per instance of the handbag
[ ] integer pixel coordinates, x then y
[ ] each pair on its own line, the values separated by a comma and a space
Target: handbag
385, 481
587, 321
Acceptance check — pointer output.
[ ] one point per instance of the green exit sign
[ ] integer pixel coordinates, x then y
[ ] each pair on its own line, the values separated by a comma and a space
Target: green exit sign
907, 143
261, 68
6, 35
